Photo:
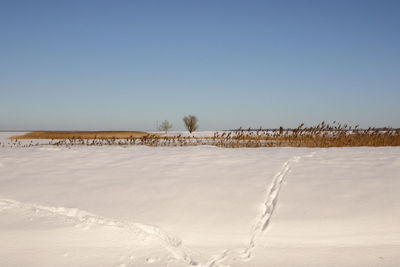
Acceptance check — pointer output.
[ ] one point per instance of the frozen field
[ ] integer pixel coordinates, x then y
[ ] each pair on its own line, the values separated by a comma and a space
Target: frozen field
204, 206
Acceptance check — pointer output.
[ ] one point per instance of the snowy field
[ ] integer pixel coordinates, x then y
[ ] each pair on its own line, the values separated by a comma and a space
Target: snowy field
187, 134
204, 206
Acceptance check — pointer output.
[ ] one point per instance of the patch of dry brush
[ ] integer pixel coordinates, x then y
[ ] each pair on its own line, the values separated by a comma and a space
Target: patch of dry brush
81, 135
322, 135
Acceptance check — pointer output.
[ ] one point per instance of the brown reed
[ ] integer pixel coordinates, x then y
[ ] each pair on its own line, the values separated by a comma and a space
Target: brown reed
321, 135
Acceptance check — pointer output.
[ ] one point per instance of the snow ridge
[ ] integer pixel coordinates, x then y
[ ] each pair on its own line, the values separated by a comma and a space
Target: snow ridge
172, 243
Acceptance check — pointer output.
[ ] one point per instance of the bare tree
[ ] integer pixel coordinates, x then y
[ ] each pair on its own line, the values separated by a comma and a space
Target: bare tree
165, 126
191, 123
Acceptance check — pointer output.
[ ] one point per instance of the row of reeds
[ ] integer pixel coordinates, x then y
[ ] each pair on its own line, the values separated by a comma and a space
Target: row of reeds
322, 135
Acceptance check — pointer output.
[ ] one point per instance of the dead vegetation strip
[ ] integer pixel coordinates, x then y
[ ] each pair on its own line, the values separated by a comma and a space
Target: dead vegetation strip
322, 135
82, 135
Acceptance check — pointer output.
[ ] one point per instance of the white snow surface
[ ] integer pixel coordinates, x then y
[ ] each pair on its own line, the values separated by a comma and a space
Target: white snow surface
187, 134
204, 206
4, 136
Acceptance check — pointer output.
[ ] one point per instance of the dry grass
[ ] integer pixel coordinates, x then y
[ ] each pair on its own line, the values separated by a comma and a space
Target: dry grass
322, 135
82, 135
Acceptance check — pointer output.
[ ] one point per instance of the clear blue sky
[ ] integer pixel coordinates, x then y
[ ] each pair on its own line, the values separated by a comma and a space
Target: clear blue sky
126, 64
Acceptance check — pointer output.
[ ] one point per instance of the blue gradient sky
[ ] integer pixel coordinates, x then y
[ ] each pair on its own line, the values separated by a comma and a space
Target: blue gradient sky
126, 64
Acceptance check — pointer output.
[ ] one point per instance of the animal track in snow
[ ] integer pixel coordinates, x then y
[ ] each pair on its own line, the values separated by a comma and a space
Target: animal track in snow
86, 219
264, 218
269, 205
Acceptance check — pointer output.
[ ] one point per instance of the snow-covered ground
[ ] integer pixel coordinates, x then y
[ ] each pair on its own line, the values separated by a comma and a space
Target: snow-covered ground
4, 136
205, 206
187, 134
